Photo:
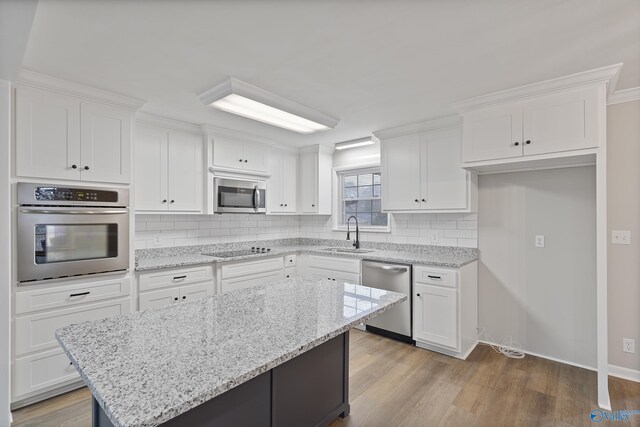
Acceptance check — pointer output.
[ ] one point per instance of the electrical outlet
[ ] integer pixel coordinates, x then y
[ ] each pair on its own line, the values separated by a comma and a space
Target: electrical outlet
539, 241
156, 240
628, 345
620, 237
433, 237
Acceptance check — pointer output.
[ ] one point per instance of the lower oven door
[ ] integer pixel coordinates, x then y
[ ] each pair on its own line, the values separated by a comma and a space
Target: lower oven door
58, 242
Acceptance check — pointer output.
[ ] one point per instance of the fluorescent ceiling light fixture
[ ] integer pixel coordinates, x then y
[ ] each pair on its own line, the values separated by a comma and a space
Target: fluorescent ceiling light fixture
356, 143
243, 99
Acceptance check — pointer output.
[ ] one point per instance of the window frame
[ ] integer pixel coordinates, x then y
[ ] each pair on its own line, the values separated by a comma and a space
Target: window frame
339, 174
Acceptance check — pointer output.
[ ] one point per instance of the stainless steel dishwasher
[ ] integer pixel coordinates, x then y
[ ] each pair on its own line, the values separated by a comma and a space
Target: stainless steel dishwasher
395, 322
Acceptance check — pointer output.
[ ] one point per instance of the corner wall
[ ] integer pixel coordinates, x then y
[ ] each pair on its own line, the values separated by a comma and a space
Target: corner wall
623, 200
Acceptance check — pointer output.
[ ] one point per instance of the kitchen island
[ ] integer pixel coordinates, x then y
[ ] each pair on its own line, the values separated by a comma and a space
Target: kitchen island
271, 355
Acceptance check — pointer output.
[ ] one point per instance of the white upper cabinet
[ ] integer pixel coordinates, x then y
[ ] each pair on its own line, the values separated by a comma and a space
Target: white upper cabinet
105, 135
314, 180
552, 123
234, 153
562, 122
281, 197
401, 172
421, 171
64, 137
169, 170
493, 133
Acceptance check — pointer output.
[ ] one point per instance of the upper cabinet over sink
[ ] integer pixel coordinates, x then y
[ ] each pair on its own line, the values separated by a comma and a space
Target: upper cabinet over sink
69, 131
553, 123
421, 169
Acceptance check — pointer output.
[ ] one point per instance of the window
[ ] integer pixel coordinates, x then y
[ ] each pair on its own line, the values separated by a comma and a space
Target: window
359, 195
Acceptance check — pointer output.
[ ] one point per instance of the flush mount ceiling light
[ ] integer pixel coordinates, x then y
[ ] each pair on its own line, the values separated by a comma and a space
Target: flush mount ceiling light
356, 143
243, 99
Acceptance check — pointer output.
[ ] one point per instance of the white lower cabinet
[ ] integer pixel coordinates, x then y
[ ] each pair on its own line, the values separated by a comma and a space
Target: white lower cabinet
169, 286
41, 371
39, 364
337, 269
245, 274
445, 313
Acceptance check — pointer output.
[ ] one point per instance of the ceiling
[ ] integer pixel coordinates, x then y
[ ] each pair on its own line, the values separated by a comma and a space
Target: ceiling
373, 64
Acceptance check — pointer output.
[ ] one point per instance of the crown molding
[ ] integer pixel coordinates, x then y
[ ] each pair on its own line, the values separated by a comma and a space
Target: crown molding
608, 75
167, 122
29, 78
625, 95
233, 85
317, 148
452, 121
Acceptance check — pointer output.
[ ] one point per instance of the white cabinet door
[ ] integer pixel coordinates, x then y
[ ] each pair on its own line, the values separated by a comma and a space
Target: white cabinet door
184, 177
106, 143
435, 315
275, 196
289, 179
194, 292
443, 182
342, 277
227, 153
151, 169
562, 122
401, 173
492, 133
308, 183
40, 371
158, 298
35, 332
254, 157
47, 135
253, 280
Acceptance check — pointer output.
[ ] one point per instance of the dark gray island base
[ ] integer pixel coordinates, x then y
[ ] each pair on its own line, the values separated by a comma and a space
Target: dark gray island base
311, 389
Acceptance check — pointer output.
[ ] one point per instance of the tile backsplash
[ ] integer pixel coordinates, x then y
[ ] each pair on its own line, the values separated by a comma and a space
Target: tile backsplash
166, 230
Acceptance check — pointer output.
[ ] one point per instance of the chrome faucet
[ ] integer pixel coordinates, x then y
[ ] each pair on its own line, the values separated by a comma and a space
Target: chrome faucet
356, 244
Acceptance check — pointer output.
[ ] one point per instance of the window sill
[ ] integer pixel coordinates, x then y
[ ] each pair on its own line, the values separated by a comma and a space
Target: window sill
364, 229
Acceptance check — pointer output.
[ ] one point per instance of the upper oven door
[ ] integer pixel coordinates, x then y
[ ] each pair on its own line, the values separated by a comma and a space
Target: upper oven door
58, 242
238, 196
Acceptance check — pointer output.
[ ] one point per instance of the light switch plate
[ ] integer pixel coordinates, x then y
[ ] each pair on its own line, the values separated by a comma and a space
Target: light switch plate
621, 237
433, 237
539, 241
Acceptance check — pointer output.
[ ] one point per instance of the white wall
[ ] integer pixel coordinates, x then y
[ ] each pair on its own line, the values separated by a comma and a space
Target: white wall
544, 298
623, 198
5, 250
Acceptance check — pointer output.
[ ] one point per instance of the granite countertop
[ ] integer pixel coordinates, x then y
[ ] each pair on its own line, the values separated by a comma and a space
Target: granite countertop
442, 256
148, 367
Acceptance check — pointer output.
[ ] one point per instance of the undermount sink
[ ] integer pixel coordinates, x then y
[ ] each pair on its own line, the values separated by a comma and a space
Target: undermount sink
348, 250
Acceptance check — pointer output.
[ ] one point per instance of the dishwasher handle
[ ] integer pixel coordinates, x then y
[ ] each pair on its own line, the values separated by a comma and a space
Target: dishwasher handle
394, 268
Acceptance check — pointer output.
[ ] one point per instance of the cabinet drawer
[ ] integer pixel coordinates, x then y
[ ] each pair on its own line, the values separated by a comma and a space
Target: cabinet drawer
69, 295
247, 282
36, 331
249, 268
435, 276
183, 276
290, 261
349, 265
42, 370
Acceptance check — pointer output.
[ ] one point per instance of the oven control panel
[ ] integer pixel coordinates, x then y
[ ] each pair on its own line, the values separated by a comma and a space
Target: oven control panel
66, 194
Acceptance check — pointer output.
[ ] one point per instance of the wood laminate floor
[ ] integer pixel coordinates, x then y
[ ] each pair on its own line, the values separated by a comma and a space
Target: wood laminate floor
395, 384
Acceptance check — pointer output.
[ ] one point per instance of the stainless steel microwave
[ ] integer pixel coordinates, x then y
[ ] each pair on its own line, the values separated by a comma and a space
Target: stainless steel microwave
239, 196
71, 231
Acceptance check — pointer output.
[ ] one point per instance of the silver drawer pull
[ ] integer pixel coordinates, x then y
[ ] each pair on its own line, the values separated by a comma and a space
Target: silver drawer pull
435, 277
79, 294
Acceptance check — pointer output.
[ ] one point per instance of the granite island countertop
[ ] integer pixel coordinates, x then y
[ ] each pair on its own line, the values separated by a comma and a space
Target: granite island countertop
148, 367
441, 256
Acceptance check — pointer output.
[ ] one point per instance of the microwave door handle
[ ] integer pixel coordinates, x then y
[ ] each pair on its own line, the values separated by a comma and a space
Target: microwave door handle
74, 212
256, 198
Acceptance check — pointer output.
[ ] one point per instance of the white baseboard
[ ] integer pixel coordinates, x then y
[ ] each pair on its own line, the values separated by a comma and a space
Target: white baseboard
624, 373
555, 359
